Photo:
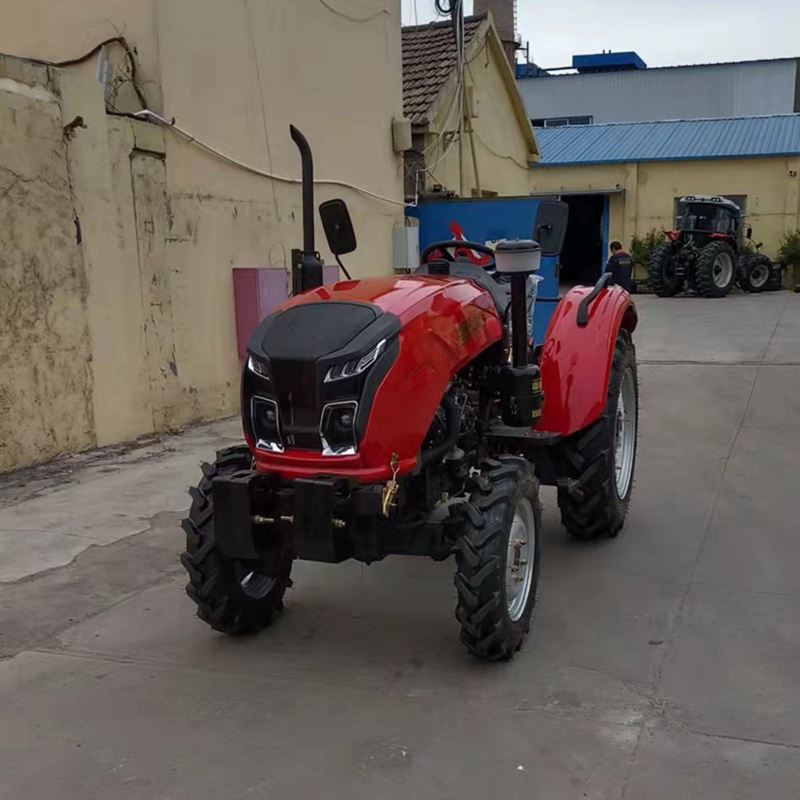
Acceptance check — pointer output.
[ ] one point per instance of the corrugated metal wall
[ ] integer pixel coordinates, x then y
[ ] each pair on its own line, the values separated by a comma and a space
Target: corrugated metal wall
718, 90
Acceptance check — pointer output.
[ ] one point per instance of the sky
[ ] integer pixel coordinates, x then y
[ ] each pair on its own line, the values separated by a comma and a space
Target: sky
663, 33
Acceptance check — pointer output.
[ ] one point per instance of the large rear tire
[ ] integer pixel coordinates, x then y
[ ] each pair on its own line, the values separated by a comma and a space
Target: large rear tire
232, 597
756, 272
715, 270
661, 271
602, 457
498, 558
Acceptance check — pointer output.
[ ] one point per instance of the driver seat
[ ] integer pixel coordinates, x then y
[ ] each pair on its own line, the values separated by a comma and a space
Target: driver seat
465, 270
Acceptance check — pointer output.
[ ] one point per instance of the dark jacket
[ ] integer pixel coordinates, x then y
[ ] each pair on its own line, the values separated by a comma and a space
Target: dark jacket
620, 265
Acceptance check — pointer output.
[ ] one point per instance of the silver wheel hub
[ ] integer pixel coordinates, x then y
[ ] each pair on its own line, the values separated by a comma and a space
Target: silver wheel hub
520, 559
625, 434
722, 271
256, 585
759, 275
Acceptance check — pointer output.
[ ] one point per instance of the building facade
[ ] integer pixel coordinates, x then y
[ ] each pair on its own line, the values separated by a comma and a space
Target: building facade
632, 94
623, 180
471, 133
120, 236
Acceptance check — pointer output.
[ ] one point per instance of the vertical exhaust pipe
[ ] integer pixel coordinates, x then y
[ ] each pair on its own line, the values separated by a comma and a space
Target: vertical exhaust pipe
310, 265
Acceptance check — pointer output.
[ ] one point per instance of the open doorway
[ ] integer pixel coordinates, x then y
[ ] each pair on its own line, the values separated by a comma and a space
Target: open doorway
584, 254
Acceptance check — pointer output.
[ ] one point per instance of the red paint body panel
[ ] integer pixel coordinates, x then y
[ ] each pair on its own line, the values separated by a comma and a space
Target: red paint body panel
576, 362
446, 324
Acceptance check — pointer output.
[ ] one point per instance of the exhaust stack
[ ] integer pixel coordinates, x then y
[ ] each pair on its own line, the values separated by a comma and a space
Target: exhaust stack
309, 265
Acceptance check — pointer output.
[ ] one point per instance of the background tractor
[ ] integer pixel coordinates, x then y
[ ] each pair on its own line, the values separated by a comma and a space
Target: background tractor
706, 254
407, 415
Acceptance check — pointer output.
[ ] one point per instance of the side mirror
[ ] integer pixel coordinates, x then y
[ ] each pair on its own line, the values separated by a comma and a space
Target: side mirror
550, 227
749, 232
338, 227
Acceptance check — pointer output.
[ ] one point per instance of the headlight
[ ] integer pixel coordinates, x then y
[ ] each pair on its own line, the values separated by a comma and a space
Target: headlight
266, 424
259, 367
337, 429
356, 366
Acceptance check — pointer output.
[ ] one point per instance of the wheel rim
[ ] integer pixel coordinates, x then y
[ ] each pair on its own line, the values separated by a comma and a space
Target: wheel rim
722, 270
759, 275
521, 559
625, 434
256, 585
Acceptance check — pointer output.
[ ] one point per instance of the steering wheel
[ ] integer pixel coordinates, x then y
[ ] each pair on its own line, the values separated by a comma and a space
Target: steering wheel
454, 250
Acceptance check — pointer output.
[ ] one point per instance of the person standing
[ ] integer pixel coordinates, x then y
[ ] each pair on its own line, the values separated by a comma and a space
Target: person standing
620, 265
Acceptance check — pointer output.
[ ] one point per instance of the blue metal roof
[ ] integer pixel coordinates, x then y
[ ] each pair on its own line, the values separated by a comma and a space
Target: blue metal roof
670, 140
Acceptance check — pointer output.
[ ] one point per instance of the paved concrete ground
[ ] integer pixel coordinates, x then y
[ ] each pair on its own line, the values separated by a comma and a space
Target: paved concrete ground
665, 664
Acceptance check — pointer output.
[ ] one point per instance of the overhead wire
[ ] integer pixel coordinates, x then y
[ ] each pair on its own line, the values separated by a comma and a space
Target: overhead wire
184, 134
457, 94
500, 155
353, 17
129, 53
459, 32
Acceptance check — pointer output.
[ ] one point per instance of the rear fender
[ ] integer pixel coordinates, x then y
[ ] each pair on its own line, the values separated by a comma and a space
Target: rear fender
576, 361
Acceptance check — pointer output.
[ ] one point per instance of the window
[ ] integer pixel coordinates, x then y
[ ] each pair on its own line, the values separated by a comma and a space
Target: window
560, 122
739, 199
704, 215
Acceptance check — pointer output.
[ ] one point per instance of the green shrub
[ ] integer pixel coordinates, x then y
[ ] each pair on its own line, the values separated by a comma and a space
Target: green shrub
643, 246
789, 250
747, 249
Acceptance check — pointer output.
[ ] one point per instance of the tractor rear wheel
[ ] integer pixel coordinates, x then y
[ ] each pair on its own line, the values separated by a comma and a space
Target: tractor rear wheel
756, 271
661, 270
233, 597
602, 457
714, 270
498, 558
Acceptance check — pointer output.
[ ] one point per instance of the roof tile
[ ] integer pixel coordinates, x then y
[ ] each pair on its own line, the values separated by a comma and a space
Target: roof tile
429, 57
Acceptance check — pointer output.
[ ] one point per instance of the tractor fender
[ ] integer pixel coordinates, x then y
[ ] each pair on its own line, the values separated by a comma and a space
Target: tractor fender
576, 360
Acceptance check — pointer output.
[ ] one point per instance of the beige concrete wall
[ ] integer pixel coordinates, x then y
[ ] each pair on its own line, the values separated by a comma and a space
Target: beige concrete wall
164, 222
45, 372
501, 147
651, 188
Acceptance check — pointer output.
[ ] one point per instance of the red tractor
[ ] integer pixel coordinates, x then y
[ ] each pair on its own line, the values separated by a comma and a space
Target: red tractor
409, 415
707, 253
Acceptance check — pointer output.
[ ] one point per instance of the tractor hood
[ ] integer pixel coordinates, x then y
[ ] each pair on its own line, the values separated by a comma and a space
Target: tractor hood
376, 355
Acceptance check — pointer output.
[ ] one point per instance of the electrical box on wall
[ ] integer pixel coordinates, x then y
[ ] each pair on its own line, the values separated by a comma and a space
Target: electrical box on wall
401, 134
405, 247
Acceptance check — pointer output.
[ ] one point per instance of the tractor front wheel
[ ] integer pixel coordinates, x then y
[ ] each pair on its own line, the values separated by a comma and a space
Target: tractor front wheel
602, 457
498, 558
756, 272
661, 271
233, 597
714, 270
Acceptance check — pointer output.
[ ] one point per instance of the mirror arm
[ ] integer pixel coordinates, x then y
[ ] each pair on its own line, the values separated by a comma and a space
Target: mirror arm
342, 266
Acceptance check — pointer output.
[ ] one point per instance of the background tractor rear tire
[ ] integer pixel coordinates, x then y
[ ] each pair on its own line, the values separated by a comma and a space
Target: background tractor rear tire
715, 270
231, 597
498, 558
595, 502
661, 271
756, 272
775, 283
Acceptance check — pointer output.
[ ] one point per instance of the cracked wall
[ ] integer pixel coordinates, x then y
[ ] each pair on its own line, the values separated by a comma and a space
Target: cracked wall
45, 358
162, 222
